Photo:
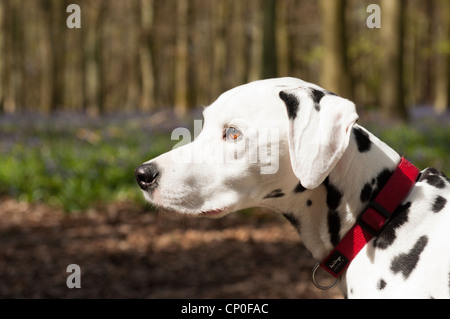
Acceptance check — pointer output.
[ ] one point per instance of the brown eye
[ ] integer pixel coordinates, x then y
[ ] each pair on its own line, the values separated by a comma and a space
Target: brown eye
233, 134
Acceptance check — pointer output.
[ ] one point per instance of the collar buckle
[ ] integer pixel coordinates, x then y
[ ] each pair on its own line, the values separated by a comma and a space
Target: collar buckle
373, 218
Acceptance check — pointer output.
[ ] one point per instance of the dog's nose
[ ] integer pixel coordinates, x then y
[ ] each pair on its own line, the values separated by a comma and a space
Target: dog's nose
146, 176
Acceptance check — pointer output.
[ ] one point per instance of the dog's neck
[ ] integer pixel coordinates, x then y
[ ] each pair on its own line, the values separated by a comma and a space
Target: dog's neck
325, 214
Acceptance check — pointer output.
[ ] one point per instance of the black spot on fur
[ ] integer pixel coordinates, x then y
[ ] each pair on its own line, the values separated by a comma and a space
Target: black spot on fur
388, 235
333, 200
433, 177
381, 284
370, 191
435, 181
444, 176
274, 194
334, 227
439, 204
366, 193
362, 140
308, 202
382, 179
406, 263
299, 188
293, 220
291, 102
317, 96
432, 170
333, 195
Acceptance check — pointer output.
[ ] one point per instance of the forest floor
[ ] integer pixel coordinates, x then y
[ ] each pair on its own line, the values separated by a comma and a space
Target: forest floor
125, 251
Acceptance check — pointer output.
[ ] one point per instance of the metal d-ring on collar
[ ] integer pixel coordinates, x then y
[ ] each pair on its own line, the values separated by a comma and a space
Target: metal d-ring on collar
319, 285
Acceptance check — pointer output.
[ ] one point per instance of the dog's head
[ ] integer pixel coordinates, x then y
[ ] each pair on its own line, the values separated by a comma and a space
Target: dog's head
255, 138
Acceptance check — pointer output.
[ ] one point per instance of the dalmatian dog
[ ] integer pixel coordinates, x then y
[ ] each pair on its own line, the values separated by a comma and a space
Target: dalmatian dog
296, 148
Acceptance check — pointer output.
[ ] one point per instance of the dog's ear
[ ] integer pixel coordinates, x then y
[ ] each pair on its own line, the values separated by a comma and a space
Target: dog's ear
320, 125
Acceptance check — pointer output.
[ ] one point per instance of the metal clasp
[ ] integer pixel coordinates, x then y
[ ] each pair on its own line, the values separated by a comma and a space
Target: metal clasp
319, 285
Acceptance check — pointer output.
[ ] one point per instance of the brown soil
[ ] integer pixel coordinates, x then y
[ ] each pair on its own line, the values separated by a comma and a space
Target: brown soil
124, 252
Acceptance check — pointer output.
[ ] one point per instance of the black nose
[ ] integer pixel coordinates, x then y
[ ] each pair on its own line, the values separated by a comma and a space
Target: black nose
146, 176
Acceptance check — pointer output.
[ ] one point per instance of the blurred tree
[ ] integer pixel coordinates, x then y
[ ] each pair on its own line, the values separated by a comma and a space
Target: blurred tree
236, 74
269, 66
73, 60
45, 96
145, 55
200, 68
219, 47
442, 65
335, 70
57, 22
132, 93
181, 57
256, 41
92, 58
2, 54
14, 56
392, 30
282, 39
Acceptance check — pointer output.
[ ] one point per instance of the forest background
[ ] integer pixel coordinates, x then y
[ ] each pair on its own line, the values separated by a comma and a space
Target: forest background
149, 54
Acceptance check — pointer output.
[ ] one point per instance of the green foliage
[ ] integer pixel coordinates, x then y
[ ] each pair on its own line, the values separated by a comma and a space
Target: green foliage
425, 143
75, 165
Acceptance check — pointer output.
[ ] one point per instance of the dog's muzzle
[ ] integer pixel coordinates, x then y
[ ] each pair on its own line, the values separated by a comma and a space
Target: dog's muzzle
147, 176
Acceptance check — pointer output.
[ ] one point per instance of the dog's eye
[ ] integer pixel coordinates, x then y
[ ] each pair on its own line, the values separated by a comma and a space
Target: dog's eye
232, 133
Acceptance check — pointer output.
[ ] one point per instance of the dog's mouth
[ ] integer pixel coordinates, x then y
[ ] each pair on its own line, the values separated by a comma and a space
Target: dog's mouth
184, 210
218, 212
214, 212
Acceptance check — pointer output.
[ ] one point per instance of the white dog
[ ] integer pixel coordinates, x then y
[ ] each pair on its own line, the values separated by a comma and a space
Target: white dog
376, 222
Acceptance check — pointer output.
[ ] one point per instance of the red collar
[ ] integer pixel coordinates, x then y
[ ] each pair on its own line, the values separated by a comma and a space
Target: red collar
372, 220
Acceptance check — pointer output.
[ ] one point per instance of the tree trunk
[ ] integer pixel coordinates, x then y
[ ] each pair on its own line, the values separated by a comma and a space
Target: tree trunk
14, 42
238, 45
73, 64
282, 39
2, 54
145, 56
46, 61
181, 58
219, 49
269, 67
92, 60
58, 48
392, 25
335, 70
442, 65
8, 60
256, 41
